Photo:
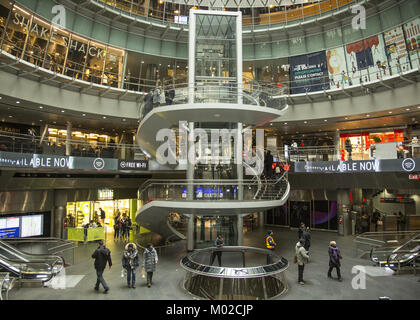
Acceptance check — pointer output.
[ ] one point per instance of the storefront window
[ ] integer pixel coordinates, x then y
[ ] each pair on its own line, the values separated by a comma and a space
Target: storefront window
361, 146
57, 50
4, 14
37, 42
95, 63
76, 59
17, 31
113, 68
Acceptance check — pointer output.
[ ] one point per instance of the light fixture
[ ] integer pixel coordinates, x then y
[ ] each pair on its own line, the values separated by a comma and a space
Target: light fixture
104, 117
84, 115
390, 112
62, 111
408, 109
271, 124
10, 116
325, 120
17, 102
285, 123
41, 107
123, 120
216, 115
368, 115
305, 121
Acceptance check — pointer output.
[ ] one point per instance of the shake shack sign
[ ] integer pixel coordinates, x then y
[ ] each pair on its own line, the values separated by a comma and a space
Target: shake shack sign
364, 166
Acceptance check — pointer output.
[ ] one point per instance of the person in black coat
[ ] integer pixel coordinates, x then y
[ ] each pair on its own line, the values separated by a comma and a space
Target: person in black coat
334, 254
307, 237
169, 95
219, 243
268, 162
130, 261
148, 102
102, 256
300, 230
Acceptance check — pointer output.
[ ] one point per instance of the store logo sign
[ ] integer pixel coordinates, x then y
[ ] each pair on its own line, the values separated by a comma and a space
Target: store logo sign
359, 20
59, 19
98, 163
408, 165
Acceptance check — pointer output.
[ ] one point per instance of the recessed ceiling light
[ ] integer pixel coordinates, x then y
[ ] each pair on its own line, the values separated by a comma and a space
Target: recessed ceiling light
84, 115
62, 111
271, 124
368, 115
346, 118
17, 102
123, 120
285, 123
40, 120
104, 117
41, 107
390, 112
10, 116
54, 122
217, 115
305, 122
325, 120
408, 109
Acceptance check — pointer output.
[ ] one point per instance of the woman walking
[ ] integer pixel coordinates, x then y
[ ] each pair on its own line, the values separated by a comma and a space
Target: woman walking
335, 257
150, 259
130, 261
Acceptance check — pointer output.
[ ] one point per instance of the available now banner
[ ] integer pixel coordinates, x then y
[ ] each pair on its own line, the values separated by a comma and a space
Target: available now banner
42, 161
309, 73
364, 166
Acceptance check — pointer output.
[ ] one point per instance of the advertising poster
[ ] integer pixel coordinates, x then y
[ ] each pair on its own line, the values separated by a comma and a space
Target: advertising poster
337, 68
366, 60
412, 37
9, 227
309, 73
396, 51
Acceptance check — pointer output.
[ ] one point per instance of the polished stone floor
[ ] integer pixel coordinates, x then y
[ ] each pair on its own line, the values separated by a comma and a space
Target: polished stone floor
79, 278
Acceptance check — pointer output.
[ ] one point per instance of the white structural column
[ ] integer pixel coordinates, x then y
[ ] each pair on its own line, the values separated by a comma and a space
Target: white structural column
239, 55
337, 145
190, 185
239, 161
191, 55
68, 139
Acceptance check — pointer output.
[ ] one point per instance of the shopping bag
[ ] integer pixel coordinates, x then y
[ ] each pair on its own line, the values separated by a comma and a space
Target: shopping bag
123, 273
143, 273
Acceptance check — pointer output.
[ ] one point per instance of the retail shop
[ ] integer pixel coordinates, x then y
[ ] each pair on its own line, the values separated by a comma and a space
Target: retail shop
80, 213
362, 144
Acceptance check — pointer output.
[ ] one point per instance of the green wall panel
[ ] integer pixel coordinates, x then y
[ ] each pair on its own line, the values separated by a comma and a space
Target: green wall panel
333, 38
248, 51
30, 4
390, 18
263, 50
182, 50
280, 49
410, 10
351, 35
100, 32
297, 46
135, 42
152, 46
82, 26
168, 48
118, 38
315, 43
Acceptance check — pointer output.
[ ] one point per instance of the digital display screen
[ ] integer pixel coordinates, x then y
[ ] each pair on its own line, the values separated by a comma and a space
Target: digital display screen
181, 19
24, 226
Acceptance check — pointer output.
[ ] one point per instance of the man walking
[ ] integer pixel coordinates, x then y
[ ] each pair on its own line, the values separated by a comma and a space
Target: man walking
102, 255
301, 259
218, 243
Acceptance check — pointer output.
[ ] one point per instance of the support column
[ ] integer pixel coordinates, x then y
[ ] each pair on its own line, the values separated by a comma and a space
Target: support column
68, 139
239, 160
240, 229
337, 154
190, 233
190, 165
261, 219
59, 213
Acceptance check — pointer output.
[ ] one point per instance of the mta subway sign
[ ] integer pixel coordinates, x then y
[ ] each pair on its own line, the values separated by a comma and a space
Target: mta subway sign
408, 165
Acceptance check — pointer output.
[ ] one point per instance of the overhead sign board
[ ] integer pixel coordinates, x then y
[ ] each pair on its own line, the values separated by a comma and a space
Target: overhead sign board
42, 161
363, 166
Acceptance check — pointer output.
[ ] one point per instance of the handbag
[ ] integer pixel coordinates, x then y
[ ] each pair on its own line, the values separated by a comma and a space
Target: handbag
143, 273
380, 223
295, 260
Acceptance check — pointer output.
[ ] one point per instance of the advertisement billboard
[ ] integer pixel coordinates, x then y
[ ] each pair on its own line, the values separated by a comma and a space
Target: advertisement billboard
309, 73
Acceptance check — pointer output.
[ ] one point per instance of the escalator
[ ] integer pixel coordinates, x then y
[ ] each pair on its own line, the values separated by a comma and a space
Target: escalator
403, 254
28, 267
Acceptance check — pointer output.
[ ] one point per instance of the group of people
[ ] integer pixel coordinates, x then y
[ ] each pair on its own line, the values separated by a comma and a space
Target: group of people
159, 96
130, 263
302, 253
122, 227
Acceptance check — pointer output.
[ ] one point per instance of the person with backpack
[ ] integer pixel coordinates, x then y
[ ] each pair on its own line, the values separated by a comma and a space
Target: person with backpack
117, 226
150, 259
301, 258
102, 256
335, 257
130, 261
270, 244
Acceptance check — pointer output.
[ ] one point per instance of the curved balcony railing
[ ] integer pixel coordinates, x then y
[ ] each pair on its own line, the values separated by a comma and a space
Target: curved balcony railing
213, 190
178, 14
25, 143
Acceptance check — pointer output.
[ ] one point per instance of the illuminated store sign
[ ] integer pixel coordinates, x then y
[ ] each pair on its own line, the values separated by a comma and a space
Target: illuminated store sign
43, 32
105, 194
384, 165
